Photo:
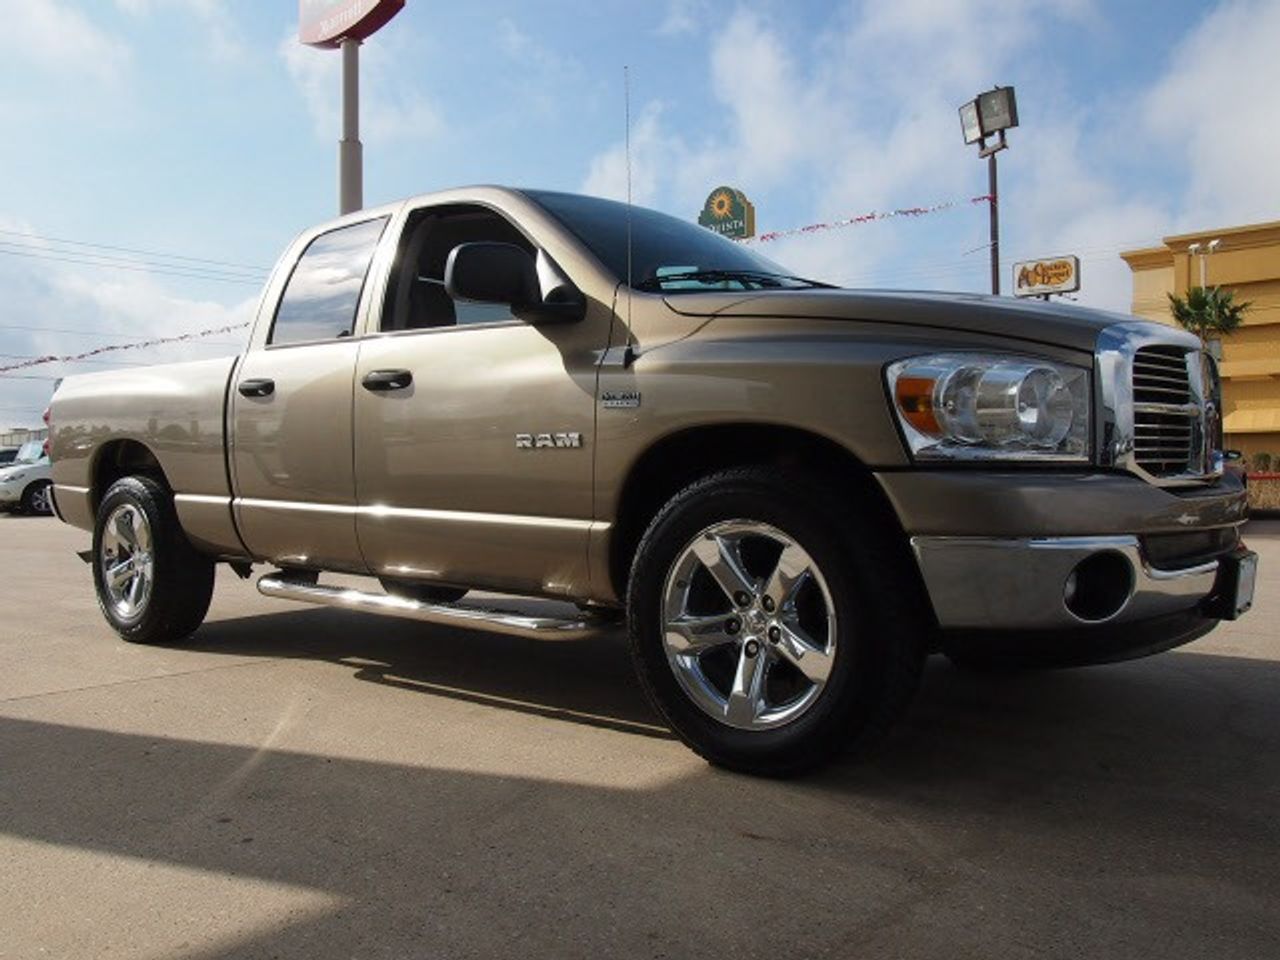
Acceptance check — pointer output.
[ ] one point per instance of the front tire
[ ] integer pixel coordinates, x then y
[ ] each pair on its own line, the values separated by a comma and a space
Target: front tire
772, 624
152, 586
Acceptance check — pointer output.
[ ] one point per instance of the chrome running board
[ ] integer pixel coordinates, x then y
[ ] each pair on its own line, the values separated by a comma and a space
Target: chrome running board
443, 614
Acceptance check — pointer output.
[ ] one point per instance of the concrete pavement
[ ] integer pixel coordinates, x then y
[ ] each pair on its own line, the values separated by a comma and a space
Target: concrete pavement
298, 782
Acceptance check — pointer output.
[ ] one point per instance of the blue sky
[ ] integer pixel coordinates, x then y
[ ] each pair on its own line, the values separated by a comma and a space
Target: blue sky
200, 128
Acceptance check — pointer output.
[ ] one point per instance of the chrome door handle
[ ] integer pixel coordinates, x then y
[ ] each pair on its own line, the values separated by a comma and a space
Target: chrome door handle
257, 388
382, 380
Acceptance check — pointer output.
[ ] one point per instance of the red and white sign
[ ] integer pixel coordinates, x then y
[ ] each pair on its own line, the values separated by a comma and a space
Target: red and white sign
326, 23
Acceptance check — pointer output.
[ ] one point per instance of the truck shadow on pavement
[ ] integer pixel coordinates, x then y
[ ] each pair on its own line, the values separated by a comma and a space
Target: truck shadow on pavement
584, 681
1122, 811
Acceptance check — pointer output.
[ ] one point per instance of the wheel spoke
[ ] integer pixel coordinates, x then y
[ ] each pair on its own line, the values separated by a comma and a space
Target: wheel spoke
119, 573
788, 576
124, 531
720, 556
746, 698
134, 590
799, 650
692, 635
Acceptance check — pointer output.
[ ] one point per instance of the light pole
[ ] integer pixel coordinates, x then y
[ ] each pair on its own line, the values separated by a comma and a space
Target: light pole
990, 114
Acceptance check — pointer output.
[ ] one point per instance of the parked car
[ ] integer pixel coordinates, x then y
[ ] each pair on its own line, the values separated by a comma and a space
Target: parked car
26, 483
793, 492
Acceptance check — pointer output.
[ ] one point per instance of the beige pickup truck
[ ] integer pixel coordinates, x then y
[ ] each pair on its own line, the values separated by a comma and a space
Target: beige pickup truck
793, 493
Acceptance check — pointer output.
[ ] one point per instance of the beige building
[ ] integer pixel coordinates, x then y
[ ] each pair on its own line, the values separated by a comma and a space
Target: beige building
1246, 260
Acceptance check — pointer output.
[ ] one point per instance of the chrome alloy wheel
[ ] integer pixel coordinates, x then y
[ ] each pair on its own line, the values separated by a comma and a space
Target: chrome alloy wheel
128, 564
749, 626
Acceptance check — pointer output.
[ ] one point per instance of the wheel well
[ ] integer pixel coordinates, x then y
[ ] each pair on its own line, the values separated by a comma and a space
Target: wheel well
124, 458
678, 460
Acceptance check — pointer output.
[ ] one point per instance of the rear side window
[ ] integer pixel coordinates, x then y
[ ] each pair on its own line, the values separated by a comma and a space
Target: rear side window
320, 300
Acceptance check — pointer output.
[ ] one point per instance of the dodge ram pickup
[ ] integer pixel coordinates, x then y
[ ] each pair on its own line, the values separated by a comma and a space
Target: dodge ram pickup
792, 493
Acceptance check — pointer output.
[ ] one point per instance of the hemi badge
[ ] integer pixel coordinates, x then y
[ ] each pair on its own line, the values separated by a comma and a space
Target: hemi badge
620, 400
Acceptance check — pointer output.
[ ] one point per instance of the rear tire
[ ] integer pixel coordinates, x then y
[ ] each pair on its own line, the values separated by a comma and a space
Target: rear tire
809, 566
422, 592
152, 586
36, 499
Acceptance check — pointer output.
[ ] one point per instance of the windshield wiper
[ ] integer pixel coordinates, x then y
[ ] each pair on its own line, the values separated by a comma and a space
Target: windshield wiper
760, 277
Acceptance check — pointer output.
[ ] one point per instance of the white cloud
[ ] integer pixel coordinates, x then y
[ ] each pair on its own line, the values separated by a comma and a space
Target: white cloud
53, 36
222, 37
389, 111
653, 153
1216, 107
542, 72
682, 17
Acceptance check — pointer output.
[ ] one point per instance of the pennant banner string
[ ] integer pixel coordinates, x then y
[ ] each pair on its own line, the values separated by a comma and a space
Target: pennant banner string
866, 218
112, 348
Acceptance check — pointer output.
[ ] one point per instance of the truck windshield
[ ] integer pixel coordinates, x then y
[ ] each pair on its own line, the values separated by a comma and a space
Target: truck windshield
667, 254
30, 452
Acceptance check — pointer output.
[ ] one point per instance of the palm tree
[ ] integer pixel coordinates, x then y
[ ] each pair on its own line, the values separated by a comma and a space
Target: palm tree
1207, 311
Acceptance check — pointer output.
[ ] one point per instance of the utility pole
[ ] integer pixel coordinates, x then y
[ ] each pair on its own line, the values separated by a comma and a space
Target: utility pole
350, 150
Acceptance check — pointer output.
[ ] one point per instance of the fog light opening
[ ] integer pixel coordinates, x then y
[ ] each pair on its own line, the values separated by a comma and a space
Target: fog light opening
1099, 586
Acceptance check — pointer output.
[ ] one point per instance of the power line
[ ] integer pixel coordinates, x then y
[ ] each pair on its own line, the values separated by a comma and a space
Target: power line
37, 254
145, 253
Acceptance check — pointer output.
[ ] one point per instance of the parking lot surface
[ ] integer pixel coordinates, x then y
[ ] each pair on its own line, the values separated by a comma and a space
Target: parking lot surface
302, 782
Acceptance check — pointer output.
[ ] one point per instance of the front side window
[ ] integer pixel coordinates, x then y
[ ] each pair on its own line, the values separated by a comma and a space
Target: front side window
416, 297
320, 299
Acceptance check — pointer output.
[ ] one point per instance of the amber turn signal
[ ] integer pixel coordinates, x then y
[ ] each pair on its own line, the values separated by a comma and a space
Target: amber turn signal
914, 396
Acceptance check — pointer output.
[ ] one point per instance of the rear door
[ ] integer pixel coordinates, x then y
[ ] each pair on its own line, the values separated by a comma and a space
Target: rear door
290, 417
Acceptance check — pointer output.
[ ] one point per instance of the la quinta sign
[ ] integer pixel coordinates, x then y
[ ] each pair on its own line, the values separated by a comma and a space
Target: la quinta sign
326, 23
729, 213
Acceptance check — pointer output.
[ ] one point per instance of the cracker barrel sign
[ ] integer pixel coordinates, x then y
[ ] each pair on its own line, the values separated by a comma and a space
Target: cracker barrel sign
728, 212
1038, 278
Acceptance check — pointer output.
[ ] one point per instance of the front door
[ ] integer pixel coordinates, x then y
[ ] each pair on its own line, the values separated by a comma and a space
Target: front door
474, 431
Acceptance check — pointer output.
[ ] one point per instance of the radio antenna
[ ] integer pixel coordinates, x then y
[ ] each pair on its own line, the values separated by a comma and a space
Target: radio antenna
629, 354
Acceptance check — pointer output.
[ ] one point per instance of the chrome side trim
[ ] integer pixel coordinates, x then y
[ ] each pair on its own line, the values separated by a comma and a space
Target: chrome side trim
443, 614
415, 513
202, 498
1003, 584
1117, 346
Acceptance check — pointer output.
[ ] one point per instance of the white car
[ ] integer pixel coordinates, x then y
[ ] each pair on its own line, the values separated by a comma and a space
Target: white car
25, 483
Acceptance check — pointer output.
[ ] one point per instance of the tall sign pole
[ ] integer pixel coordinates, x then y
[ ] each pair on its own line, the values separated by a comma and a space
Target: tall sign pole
344, 25
350, 150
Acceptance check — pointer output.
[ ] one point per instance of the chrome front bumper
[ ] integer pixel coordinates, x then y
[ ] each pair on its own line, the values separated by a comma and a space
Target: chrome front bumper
1023, 583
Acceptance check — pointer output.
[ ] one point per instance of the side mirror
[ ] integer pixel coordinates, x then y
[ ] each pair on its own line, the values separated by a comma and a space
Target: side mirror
505, 273
492, 273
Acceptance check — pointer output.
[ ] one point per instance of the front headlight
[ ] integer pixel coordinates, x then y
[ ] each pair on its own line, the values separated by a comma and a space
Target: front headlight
960, 406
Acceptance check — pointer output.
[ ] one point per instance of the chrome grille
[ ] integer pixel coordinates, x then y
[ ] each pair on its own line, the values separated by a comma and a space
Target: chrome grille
1167, 421
1160, 414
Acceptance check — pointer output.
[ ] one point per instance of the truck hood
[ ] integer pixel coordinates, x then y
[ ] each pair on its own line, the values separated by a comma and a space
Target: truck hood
1060, 325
